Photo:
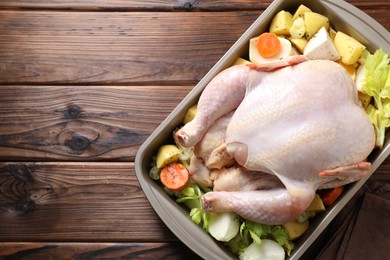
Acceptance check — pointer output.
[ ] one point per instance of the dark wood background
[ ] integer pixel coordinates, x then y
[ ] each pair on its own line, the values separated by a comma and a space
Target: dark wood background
82, 85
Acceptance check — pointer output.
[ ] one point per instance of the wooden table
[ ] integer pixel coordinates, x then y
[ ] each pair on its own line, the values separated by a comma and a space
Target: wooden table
82, 85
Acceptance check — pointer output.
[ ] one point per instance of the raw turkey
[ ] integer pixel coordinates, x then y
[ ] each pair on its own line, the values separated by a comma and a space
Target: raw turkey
299, 121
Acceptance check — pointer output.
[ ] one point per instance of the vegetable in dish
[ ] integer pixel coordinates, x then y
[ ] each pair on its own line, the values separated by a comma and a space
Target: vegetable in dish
175, 176
268, 45
375, 82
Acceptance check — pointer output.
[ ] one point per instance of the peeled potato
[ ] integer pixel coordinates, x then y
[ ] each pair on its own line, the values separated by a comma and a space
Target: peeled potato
167, 154
300, 11
351, 69
316, 205
299, 43
349, 48
281, 23
295, 229
314, 22
241, 61
190, 114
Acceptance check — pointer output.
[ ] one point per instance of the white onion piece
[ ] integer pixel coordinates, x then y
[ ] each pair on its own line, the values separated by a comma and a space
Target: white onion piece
268, 249
223, 226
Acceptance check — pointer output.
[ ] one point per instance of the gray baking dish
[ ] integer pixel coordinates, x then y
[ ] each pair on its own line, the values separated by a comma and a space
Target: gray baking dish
344, 17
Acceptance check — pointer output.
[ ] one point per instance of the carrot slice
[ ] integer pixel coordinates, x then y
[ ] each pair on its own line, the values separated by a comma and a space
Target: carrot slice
268, 45
330, 196
175, 176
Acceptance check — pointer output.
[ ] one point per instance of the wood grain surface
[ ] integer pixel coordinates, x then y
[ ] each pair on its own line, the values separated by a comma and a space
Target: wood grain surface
83, 83
163, 5
136, 5
68, 250
110, 203
48, 47
81, 123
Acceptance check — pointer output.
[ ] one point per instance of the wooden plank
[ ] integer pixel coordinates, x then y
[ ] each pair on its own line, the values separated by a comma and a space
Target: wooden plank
110, 47
173, 250
76, 202
79, 202
118, 48
139, 5
86, 123
162, 5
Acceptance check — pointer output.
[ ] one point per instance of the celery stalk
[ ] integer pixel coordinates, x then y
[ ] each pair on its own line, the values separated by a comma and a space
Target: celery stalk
376, 83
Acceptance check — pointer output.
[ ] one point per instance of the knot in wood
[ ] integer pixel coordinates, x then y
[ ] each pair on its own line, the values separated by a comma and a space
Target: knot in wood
188, 6
21, 172
78, 142
73, 111
25, 205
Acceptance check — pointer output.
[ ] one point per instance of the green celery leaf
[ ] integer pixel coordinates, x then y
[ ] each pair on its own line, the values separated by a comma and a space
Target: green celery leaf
377, 85
205, 220
255, 237
196, 215
376, 75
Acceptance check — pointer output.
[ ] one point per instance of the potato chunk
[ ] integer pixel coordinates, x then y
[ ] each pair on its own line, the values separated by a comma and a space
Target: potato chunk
241, 61
316, 205
281, 23
295, 229
349, 48
167, 154
314, 22
298, 43
300, 11
351, 69
190, 114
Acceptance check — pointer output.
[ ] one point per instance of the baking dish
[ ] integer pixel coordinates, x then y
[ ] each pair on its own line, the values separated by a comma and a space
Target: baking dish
344, 17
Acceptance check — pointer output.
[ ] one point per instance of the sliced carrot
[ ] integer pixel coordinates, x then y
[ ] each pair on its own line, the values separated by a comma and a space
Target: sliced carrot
268, 45
330, 196
175, 176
